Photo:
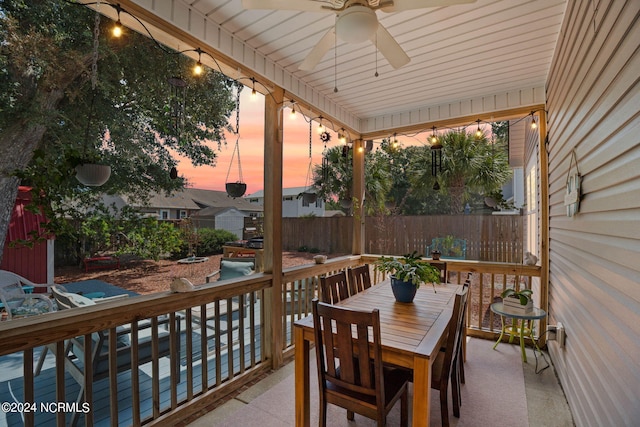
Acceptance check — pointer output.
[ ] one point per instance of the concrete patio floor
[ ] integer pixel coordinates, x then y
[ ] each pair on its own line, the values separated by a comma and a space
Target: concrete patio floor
537, 398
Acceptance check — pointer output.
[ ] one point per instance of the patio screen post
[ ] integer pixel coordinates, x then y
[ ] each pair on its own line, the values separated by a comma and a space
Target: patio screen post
358, 197
273, 149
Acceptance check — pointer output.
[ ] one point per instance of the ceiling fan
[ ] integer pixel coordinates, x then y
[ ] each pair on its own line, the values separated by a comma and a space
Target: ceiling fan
356, 22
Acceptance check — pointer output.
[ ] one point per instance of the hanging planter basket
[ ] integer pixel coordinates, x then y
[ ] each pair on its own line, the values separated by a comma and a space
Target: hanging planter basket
93, 175
236, 189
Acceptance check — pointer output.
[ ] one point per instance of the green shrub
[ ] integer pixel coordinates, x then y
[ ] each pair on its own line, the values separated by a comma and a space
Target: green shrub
210, 240
303, 249
314, 250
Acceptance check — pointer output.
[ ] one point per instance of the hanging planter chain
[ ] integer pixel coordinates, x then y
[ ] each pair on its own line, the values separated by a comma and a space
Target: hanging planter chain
236, 149
238, 188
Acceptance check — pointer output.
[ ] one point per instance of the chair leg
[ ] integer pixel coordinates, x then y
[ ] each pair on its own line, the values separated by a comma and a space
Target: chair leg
350, 415
404, 409
462, 367
322, 422
455, 389
444, 408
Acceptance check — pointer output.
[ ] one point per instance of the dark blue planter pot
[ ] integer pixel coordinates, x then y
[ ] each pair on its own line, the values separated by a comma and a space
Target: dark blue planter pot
403, 291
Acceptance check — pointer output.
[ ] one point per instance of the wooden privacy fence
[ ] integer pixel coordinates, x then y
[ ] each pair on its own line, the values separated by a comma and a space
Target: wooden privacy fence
497, 238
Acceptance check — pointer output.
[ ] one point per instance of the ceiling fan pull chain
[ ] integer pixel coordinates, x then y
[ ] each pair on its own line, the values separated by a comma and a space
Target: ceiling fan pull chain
335, 58
376, 74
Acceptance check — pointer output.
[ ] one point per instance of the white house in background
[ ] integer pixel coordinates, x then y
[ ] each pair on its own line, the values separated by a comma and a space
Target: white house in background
207, 208
293, 204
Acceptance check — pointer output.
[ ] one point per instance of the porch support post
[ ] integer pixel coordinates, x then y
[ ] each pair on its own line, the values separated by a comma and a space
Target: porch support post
273, 149
358, 197
544, 220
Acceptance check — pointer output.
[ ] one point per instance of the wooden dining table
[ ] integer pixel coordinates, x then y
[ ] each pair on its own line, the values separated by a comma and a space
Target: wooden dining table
411, 336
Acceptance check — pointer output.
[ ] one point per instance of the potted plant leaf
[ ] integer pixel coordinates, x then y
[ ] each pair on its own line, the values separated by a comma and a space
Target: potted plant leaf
517, 300
407, 273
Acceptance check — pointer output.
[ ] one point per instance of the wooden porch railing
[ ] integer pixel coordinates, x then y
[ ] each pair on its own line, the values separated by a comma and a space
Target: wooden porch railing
220, 342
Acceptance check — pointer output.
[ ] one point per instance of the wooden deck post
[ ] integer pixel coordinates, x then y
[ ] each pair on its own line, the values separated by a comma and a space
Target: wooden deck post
358, 197
273, 149
544, 221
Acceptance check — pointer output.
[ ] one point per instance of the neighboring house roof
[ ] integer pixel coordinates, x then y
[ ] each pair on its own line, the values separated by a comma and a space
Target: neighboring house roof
291, 191
213, 211
334, 213
193, 199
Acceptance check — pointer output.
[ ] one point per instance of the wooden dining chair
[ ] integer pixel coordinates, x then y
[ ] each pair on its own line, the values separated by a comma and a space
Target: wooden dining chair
359, 278
350, 369
334, 288
445, 360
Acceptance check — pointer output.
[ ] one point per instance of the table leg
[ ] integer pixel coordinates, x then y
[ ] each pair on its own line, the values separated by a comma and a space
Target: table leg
421, 391
524, 353
303, 412
514, 330
501, 332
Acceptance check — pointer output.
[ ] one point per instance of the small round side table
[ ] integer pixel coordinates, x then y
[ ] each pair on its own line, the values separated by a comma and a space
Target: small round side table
521, 328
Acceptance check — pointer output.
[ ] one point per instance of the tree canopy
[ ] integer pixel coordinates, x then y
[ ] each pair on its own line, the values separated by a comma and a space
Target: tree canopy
399, 179
53, 118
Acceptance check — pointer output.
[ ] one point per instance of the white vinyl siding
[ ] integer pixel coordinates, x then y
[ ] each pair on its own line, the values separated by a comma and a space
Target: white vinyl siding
593, 94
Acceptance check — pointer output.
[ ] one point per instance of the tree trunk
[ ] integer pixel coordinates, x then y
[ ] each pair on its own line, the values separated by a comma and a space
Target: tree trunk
17, 144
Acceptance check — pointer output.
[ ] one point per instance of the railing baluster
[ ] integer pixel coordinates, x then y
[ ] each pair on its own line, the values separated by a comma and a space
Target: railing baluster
135, 378
155, 368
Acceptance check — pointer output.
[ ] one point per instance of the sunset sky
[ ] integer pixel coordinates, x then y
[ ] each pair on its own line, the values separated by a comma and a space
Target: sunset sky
251, 143
296, 150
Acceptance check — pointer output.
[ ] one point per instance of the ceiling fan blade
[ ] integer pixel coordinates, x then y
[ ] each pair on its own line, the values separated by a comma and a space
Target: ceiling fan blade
302, 5
390, 48
401, 5
319, 50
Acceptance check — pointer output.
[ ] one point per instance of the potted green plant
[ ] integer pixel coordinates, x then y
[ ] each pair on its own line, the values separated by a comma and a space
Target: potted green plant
517, 300
407, 273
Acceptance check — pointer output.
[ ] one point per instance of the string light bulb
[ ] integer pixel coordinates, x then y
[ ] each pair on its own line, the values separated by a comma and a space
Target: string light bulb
342, 137
117, 30
253, 88
320, 125
360, 148
434, 138
395, 141
534, 125
479, 132
293, 111
198, 69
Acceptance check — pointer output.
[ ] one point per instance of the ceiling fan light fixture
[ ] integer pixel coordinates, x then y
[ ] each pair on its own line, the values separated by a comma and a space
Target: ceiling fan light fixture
356, 24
